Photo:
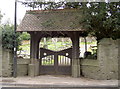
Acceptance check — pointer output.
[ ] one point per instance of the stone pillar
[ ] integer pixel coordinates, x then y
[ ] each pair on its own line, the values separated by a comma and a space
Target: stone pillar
0, 54
118, 62
6, 60
34, 55
75, 55
108, 58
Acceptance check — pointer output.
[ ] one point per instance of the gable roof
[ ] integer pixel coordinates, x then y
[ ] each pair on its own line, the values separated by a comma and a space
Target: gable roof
51, 20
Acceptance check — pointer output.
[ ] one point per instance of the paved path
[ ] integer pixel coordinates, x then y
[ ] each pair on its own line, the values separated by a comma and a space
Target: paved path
57, 81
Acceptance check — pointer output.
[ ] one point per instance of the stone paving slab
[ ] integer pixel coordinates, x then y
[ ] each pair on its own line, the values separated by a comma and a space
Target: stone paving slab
57, 81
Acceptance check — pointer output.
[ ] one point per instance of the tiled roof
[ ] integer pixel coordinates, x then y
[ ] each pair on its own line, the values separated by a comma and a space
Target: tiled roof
51, 20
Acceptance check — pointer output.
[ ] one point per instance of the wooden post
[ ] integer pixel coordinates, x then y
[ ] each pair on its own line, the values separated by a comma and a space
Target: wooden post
15, 48
75, 55
56, 62
85, 44
34, 54
34, 47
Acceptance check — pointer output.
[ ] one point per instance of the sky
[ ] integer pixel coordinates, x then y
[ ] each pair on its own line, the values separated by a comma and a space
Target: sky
7, 9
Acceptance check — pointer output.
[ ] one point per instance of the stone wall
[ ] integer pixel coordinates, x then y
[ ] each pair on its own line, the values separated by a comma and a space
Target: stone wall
0, 60
108, 58
106, 65
119, 63
6, 58
90, 68
22, 66
6, 63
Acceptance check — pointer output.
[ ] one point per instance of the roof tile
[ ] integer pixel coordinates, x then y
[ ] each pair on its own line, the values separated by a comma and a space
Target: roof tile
51, 20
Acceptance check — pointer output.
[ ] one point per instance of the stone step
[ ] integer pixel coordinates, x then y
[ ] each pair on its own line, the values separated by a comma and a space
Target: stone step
59, 88
38, 86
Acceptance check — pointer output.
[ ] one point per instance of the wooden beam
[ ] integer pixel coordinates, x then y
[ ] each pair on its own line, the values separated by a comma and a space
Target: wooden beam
75, 55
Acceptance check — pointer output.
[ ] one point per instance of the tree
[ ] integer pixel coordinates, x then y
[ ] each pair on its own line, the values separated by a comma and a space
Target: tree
8, 35
52, 5
0, 30
25, 36
101, 19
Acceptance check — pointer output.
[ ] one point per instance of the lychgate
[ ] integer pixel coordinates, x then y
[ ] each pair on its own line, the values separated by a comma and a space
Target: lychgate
53, 23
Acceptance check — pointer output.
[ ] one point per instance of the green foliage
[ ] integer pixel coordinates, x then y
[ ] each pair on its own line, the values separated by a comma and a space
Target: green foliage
0, 29
101, 19
53, 5
25, 36
8, 37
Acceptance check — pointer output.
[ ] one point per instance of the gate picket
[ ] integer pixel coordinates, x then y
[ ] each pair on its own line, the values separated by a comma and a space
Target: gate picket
55, 62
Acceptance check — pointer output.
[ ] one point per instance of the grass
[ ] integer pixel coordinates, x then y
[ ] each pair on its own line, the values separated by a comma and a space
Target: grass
58, 46
25, 48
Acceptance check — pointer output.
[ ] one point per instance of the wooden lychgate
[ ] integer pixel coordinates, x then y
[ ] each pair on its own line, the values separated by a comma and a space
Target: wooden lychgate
55, 62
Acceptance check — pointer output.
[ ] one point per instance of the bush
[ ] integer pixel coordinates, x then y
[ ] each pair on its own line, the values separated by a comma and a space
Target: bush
25, 36
8, 37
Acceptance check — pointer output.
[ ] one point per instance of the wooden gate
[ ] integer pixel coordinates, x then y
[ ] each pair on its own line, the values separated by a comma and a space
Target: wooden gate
55, 62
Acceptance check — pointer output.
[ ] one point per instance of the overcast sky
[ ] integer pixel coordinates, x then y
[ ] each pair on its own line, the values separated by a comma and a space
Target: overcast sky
7, 8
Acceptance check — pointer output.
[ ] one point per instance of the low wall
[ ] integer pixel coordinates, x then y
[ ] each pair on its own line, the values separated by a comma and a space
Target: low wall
22, 66
0, 60
7, 58
6, 61
90, 68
